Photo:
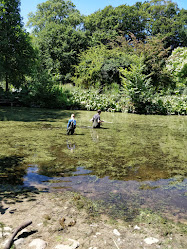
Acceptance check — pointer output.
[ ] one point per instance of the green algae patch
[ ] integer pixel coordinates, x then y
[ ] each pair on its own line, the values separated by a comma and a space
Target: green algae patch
131, 158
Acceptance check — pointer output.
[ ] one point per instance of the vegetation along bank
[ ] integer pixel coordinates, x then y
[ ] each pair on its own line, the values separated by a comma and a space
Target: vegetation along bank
124, 59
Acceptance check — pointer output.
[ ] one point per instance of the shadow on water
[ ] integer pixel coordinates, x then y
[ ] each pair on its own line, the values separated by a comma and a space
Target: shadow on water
32, 114
12, 170
12, 189
136, 162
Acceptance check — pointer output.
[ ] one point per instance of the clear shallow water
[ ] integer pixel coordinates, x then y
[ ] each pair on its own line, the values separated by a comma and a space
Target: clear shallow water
124, 198
135, 161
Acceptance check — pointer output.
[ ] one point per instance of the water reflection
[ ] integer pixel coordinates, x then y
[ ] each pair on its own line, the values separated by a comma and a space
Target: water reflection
70, 146
122, 198
33, 178
94, 135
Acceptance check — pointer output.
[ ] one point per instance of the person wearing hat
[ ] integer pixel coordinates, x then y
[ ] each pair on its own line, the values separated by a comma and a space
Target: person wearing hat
96, 120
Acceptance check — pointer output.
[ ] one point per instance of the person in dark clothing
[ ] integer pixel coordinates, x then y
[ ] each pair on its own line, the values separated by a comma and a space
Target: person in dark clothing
96, 120
71, 125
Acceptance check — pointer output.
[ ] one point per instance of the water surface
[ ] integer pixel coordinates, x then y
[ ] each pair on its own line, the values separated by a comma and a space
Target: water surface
134, 161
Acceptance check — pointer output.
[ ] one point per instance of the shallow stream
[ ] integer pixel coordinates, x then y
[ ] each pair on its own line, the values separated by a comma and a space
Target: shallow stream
132, 162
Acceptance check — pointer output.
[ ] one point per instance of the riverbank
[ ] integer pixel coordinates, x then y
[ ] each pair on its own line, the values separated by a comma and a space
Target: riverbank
69, 220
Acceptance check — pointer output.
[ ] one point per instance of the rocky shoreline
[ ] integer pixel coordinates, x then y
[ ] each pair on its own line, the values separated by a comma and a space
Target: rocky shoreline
57, 223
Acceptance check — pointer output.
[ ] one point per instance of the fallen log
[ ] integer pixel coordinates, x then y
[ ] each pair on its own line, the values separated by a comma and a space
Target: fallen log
18, 229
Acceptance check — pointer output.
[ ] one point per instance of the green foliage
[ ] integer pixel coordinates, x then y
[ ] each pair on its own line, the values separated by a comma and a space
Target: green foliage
136, 85
16, 52
177, 66
166, 19
155, 56
124, 48
87, 73
53, 11
52, 97
142, 19
42, 92
115, 100
106, 24
169, 105
91, 99
166, 105
59, 47
58, 37
99, 66
132, 19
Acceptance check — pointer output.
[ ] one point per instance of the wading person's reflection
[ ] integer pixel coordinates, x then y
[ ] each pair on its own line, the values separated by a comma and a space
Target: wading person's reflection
95, 136
71, 147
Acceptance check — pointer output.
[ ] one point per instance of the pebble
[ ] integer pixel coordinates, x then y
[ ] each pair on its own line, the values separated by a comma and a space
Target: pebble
73, 246
19, 242
136, 228
38, 244
116, 232
94, 225
62, 247
40, 224
98, 234
7, 229
5, 242
4, 234
151, 240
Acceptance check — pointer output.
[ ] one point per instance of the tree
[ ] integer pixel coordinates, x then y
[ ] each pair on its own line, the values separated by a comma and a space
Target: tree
142, 19
137, 87
165, 18
111, 22
54, 11
155, 55
87, 72
16, 52
99, 66
58, 35
132, 19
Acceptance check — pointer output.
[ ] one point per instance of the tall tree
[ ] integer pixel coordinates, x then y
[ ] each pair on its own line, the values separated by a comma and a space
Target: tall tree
165, 18
142, 19
53, 11
110, 22
16, 52
57, 29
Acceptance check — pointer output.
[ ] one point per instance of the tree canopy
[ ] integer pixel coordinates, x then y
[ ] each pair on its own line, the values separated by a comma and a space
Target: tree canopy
56, 27
126, 46
16, 51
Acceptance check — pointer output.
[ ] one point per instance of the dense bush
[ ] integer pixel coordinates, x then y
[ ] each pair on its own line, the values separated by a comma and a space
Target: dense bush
118, 101
91, 99
112, 100
177, 66
171, 104
47, 97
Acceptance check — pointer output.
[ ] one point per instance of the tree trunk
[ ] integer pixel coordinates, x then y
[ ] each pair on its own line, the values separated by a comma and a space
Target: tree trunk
6, 75
6, 82
18, 229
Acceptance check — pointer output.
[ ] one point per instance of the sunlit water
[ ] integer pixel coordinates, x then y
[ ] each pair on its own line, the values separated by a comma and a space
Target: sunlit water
133, 162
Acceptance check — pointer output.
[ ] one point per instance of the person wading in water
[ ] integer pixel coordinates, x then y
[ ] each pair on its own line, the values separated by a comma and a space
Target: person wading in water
96, 120
71, 125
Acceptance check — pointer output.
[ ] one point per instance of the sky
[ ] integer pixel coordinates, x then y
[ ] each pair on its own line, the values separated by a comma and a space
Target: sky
86, 7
